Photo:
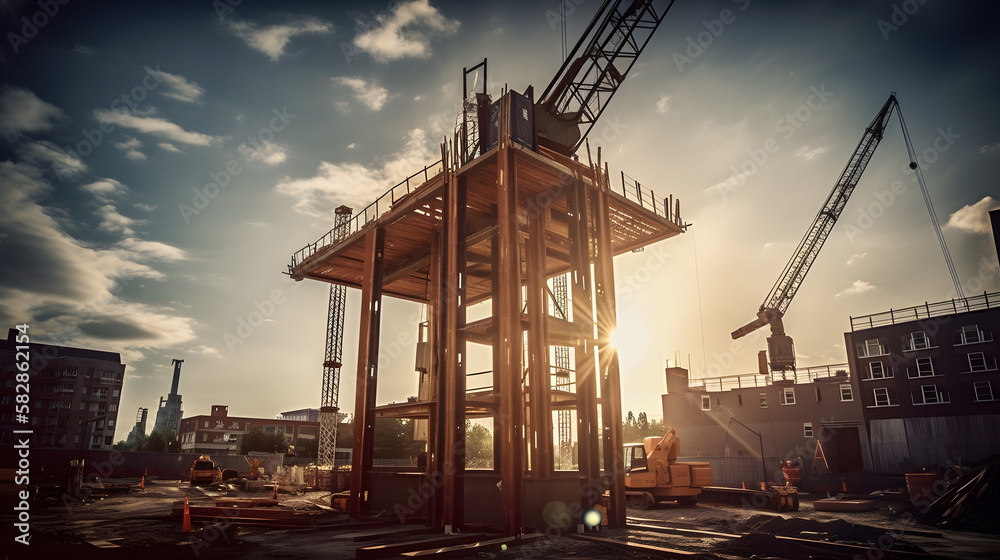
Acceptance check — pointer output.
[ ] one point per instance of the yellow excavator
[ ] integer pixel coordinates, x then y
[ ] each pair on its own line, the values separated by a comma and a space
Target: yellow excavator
653, 474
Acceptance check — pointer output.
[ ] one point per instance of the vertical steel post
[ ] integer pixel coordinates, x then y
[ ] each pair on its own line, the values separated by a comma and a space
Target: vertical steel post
507, 346
607, 321
540, 434
368, 340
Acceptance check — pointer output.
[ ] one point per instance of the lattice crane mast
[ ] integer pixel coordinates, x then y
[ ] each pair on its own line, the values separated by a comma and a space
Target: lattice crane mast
594, 70
334, 351
780, 348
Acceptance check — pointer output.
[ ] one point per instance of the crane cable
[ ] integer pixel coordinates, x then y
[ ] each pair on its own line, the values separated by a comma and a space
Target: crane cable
930, 206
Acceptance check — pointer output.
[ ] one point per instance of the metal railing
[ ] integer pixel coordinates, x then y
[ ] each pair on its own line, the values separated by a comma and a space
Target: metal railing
926, 311
803, 375
368, 214
632, 190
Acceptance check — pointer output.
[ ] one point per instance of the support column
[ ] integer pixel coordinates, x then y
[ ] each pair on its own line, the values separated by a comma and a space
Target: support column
368, 340
454, 383
540, 422
583, 322
611, 394
507, 348
435, 318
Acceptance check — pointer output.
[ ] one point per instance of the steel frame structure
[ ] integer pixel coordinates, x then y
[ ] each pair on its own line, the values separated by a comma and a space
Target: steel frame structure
497, 229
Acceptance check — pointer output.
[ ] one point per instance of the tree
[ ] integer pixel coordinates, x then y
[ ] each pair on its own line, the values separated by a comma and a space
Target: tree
478, 446
394, 439
161, 442
256, 439
634, 431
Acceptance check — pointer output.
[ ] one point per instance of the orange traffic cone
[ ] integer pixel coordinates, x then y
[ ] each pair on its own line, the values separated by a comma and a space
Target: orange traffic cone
844, 482
186, 528
142, 483
744, 485
275, 496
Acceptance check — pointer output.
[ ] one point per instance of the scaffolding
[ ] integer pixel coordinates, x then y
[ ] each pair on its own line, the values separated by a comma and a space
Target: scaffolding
330, 396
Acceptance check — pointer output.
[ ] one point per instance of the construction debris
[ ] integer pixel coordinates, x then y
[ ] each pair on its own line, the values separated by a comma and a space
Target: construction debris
972, 503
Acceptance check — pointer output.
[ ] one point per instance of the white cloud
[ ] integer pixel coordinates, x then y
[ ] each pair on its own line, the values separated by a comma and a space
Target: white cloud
145, 207
351, 146
265, 152
987, 148
974, 218
663, 105
22, 111
858, 287
406, 32
856, 257
354, 184
130, 147
156, 126
67, 289
43, 152
807, 153
372, 95
177, 86
153, 250
342, 107
169, 147
105, 189
273, 39
113, 221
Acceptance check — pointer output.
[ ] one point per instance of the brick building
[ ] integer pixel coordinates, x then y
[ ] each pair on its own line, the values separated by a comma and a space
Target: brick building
792, 412
927, 379
73, 395
218, 433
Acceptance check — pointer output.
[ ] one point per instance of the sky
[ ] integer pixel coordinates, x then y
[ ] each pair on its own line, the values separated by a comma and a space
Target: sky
161, 162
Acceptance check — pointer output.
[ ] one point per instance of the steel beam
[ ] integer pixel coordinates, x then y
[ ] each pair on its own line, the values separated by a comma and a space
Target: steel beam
611, 394
368, 340
507, 350
587, 426
452, 400
540, 422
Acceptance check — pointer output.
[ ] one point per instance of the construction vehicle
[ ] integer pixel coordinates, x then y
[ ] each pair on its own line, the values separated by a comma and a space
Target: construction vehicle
204, 471
653, 474
780, 347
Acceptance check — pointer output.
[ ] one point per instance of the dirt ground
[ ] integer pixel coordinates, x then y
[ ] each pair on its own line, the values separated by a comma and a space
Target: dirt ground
134, 526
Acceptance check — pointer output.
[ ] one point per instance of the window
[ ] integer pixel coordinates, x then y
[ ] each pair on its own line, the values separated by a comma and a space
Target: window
763, 400
819, 396
846, 393
925, 367
971, 334
871, 347
112, 408
882, 396
984, 392
706, 402
977, 362
877, 371
107, 376
919, 341
788, 396
739, 399
807, 429
929, 394
116, 393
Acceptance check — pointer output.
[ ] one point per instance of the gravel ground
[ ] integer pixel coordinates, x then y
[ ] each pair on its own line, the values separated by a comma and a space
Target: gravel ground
135, 524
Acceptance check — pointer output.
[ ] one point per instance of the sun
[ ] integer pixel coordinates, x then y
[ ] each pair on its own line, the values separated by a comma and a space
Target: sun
631, 341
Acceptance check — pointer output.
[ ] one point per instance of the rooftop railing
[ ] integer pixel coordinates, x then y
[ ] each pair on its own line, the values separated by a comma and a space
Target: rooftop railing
926, 311
803, 375
632, 190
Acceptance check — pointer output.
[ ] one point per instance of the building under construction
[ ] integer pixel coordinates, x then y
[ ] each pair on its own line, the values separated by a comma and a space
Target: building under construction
511, 217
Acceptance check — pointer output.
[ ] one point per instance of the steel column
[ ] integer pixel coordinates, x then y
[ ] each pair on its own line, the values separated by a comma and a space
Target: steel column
611, 394
540, 422
435, 316
368, 340
583, 321
507, 346
453, 399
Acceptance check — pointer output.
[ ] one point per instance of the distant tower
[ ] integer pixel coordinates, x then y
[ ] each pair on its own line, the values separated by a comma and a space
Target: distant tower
168, 415
139, 430
330, 396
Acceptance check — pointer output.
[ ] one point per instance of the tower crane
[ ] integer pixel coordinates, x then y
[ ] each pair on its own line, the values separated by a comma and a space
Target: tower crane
781, 350
334, 350
594, 70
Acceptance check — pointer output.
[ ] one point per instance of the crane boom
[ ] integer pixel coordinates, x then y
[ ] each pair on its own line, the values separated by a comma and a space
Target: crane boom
788, 283
594, 70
